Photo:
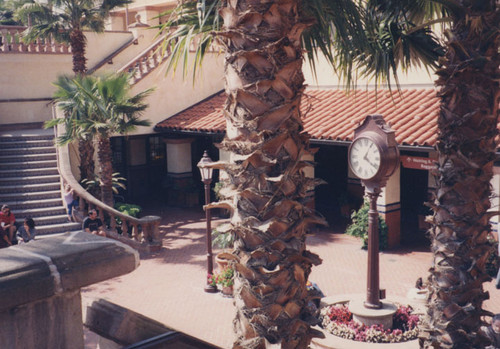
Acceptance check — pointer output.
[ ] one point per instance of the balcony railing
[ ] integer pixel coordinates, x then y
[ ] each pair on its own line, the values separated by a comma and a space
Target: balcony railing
11, 42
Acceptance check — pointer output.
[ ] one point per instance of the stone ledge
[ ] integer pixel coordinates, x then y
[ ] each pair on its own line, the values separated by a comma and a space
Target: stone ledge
59, 264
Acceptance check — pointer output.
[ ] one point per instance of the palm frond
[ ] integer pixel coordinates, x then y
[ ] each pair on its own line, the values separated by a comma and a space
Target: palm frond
190, 26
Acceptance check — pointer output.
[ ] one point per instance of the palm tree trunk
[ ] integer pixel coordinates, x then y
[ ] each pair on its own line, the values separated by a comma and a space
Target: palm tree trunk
87, 166
104, 155
469, 92
78, 42
264, 83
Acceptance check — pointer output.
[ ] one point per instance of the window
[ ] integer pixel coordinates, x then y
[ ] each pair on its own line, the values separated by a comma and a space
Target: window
117, 149
156, 149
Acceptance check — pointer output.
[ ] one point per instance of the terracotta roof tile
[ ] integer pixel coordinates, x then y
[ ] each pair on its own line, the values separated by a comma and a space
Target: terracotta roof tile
333, 114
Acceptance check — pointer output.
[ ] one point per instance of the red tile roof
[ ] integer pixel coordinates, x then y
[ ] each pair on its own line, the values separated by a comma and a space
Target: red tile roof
333, 114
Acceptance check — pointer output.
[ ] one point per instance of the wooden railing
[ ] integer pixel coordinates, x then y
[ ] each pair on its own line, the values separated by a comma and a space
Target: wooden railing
11, 42
146, 62
140, 233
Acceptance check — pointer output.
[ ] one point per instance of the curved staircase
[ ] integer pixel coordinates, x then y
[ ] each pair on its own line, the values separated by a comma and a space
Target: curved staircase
30, 181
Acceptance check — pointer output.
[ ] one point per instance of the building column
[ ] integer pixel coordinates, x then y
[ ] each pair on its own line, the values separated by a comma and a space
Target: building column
181, 188
389, 208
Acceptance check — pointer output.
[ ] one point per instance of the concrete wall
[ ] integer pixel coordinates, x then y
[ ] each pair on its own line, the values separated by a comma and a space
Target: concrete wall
26, 79
30, 76
325, 76
174, 93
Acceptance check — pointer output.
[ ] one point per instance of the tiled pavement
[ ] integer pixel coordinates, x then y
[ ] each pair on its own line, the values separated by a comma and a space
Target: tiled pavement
168, 285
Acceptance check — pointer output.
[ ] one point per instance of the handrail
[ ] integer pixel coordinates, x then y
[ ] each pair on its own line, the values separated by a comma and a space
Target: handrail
11, 42
146, 62
107, 59
144, 234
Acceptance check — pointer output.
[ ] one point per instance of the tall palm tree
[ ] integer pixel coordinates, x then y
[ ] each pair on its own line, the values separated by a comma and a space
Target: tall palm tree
267, 190
470, 95
65, 20
98, 108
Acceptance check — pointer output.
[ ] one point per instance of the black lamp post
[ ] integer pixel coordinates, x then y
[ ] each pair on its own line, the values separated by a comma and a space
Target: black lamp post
206, 178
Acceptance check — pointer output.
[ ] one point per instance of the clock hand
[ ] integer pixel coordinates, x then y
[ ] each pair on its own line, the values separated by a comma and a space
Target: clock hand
371, 163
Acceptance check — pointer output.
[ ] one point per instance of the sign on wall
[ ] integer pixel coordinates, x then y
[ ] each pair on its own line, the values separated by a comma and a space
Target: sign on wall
418, 163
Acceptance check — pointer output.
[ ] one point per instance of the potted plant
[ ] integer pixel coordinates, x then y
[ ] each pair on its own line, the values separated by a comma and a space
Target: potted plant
223, 240
225, 279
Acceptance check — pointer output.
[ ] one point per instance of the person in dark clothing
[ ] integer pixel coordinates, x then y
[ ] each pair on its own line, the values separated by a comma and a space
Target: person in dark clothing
493, 332
27, 231
92, 224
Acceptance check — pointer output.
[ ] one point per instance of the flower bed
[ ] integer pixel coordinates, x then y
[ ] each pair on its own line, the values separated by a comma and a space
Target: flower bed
338, 320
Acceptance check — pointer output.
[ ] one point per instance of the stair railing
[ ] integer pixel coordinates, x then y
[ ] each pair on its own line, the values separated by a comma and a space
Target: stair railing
140, 233
109, 58
147, 61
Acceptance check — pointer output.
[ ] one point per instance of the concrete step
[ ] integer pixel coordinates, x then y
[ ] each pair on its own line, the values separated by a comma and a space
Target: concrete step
54, 219
27, 172
24, 188
29, 204
29, 180
9, 158
19, 197
29, 164
37, 136
32, 150
25, 143
39, 212
57, 228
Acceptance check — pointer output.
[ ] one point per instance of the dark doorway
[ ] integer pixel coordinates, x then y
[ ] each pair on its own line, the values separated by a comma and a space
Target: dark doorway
331, 167
414, 184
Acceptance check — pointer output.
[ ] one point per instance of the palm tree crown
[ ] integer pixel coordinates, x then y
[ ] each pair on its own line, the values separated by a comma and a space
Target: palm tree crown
97, 108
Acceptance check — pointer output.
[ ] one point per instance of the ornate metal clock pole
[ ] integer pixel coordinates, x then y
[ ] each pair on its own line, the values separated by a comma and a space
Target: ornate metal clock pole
373, 282
373, 157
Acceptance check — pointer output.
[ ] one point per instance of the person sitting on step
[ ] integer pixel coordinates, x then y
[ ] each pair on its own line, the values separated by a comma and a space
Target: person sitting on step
92, 224
8, 221
27, 231
4, 238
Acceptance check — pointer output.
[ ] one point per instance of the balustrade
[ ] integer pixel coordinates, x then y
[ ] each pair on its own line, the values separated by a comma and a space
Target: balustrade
146, 62
140, 233
11, 42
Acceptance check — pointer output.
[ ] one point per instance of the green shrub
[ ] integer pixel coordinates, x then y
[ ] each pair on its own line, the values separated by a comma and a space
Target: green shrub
128, 209
359, 226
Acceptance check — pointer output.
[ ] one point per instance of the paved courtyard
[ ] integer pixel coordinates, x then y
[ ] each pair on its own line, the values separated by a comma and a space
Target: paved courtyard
168, 285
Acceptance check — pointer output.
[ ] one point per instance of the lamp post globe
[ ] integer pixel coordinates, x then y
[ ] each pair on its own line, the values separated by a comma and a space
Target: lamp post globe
206, 178
205, 171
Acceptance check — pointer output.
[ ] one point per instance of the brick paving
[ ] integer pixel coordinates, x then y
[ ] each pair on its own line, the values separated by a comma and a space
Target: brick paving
168, 285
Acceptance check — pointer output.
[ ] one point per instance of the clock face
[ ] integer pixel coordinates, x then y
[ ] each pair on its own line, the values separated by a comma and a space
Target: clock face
364, 158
